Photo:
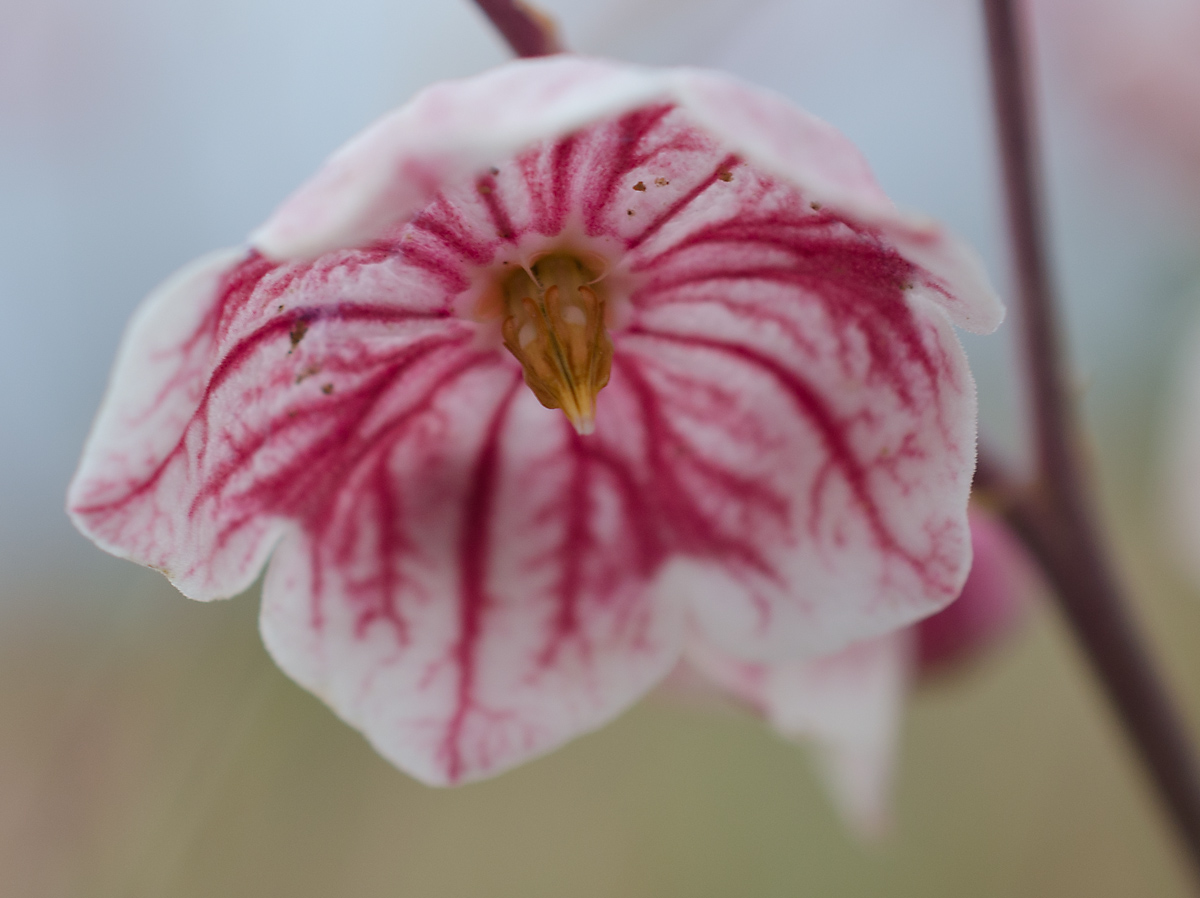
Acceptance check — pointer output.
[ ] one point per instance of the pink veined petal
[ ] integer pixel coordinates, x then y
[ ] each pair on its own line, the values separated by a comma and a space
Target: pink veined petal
455, 130
813, 412
807, 517
477, 600
235, 387
154, 389
800, 148
819, 420
848, 705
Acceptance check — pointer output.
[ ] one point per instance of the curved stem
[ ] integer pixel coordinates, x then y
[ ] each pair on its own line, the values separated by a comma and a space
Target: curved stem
528, 31
1054, 514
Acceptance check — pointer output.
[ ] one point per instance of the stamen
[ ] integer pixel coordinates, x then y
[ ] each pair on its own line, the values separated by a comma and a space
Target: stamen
554, 325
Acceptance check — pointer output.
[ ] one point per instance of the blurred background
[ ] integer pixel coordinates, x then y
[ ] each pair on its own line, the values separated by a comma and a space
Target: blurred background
148, 747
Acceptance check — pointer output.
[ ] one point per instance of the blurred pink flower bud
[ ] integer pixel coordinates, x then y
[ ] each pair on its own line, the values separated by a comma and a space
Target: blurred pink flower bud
993, 603
1139, 62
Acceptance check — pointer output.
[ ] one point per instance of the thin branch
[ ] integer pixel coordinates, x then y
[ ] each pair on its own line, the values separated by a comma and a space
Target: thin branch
1054, 514
529, 31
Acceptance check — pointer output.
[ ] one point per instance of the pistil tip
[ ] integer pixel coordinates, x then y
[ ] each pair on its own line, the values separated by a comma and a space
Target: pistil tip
584, 424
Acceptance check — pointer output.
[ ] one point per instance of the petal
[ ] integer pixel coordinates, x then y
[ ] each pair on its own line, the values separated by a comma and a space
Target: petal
455, 130
786, 141
234, 390
849, 704
814, 422
152, 393
475, 600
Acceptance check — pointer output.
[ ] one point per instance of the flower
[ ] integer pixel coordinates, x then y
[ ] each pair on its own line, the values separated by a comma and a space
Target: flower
769, 424
849, 704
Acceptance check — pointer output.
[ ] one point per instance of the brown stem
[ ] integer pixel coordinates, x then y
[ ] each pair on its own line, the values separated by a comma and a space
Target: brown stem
528, 31
1054, 515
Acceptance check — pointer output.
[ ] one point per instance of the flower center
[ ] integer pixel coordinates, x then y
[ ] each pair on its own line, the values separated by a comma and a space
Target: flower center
554, 325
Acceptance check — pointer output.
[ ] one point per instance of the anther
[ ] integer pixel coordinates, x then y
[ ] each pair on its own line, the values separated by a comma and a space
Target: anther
554, 325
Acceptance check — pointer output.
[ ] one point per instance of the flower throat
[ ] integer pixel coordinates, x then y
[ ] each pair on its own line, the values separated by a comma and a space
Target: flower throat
554, 325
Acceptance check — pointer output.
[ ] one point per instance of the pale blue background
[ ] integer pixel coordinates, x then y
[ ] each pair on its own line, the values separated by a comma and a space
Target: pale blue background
147, 745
